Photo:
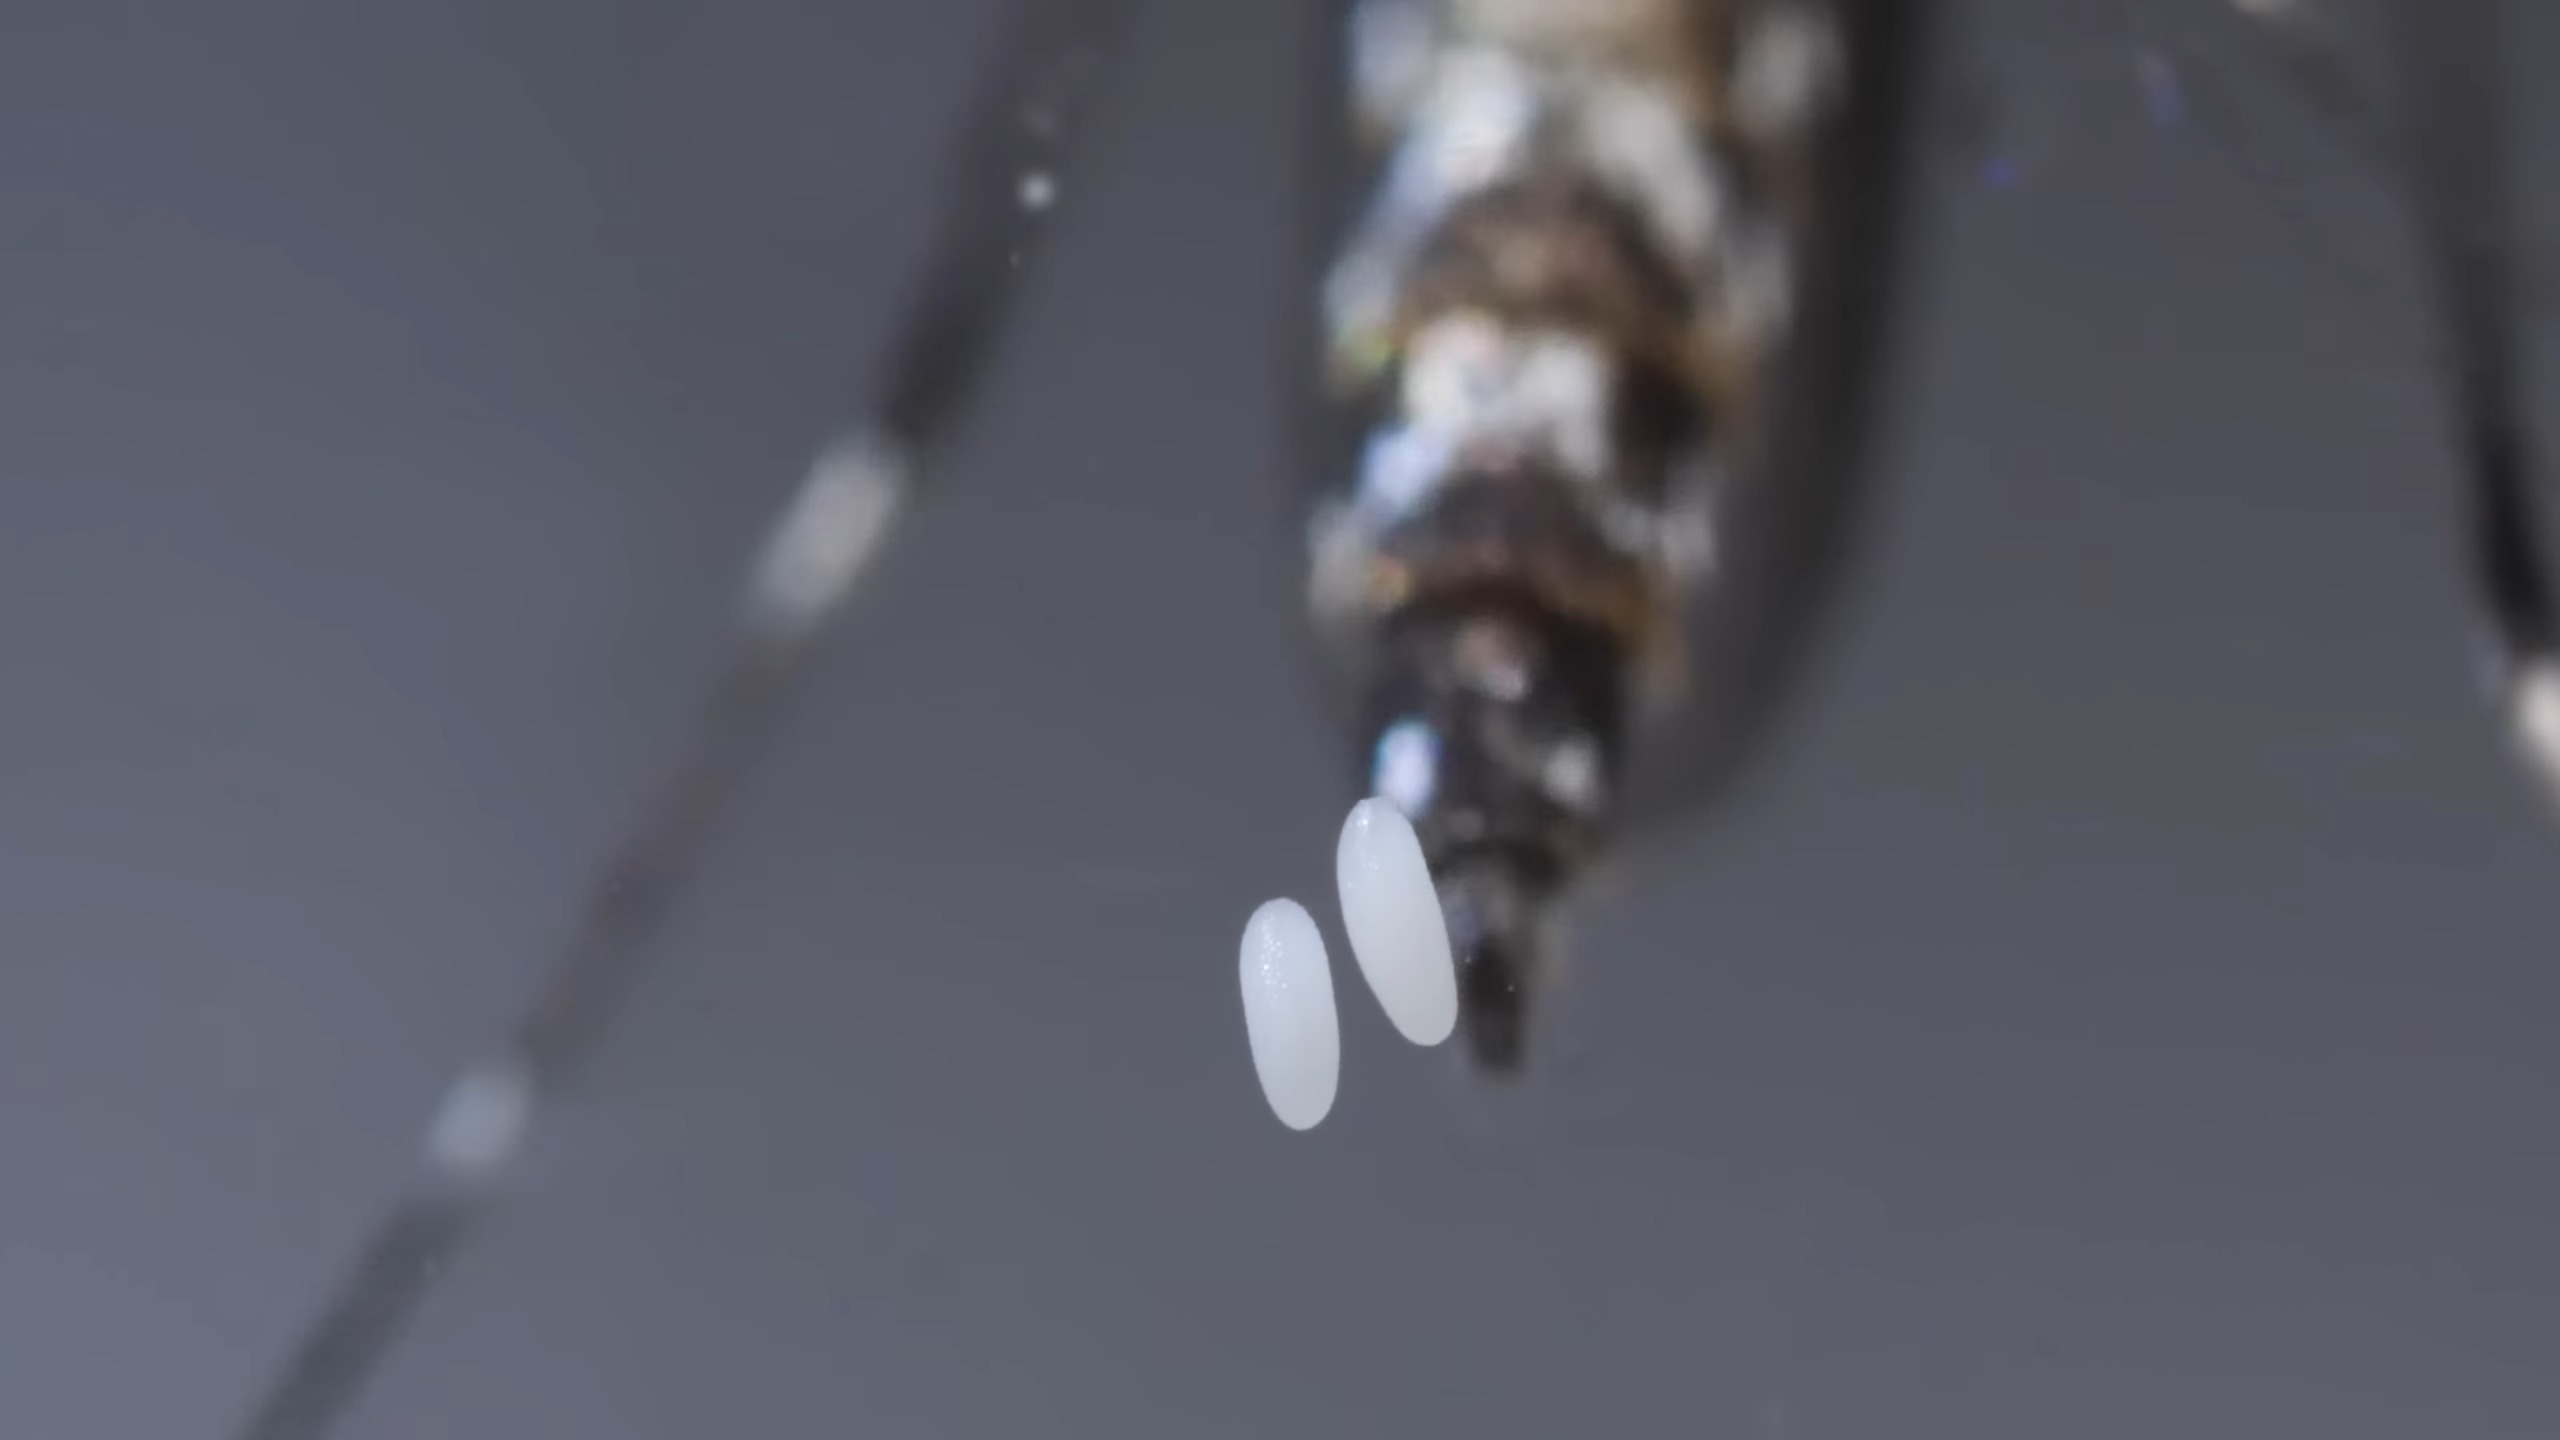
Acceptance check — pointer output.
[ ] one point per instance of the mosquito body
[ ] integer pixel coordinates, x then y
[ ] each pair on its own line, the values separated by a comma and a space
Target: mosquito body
1589, 246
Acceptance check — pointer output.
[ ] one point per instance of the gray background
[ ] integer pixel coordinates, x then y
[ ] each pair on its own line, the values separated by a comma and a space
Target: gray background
2124, 1011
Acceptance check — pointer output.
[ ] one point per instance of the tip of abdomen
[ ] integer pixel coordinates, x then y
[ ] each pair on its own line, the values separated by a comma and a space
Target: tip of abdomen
1499, 935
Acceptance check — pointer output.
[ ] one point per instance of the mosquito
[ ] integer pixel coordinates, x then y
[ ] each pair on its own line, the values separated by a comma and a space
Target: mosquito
1600, 308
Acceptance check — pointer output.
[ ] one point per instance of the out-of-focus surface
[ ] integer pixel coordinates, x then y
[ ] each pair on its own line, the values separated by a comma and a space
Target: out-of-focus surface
2124, 1010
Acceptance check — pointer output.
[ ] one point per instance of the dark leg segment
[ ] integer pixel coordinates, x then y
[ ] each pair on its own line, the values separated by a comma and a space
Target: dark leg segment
1005, 184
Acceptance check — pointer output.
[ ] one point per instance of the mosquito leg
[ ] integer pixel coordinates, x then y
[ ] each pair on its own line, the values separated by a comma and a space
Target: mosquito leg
2449, 156
2308, 56
2461, 183
1034, 102
1005, 180
2302, 60
1039, 97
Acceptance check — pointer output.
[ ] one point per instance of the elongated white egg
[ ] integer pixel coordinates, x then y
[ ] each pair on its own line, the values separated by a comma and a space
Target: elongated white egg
1289, 1014
1392, 912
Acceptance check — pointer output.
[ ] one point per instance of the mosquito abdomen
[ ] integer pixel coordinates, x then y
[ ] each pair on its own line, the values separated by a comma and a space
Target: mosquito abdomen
1546, 330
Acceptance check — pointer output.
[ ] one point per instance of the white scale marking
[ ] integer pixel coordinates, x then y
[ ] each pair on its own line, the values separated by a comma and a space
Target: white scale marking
482, 1122
1791, 66
2536, 710
1470, 378
833, 531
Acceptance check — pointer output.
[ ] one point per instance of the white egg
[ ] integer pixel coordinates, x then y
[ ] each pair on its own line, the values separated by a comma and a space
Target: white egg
1392, 912
1289, 1014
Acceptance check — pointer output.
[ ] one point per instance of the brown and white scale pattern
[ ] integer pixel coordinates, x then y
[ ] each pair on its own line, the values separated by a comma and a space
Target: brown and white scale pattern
1550, 323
